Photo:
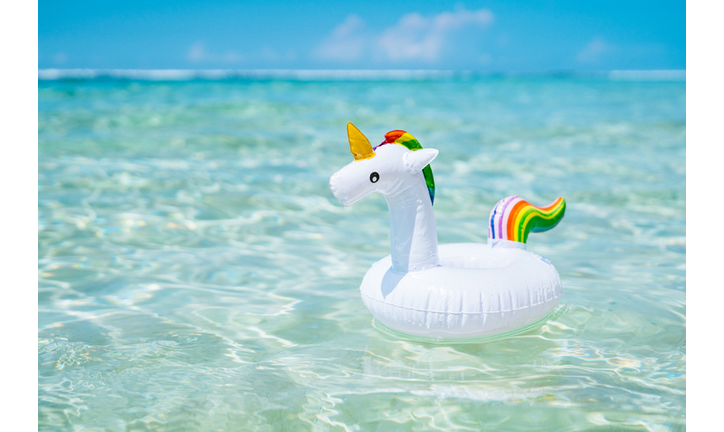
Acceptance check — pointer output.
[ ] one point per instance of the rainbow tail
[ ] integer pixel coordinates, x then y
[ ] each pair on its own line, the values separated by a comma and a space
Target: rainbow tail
513, 219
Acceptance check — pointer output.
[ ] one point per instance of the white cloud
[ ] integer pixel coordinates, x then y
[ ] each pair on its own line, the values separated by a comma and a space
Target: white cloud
197, 53
60, 58
413, 38
232, 57
268, 53
346, 43
594, 50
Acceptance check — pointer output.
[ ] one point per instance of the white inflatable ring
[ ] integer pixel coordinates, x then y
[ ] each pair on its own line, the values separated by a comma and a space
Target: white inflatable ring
477, 291
463, 290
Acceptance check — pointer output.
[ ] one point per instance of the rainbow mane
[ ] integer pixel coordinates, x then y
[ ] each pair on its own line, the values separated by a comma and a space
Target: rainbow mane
404, 138
513, 218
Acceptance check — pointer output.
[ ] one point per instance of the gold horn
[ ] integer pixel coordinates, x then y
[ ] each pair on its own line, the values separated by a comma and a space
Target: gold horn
359, 145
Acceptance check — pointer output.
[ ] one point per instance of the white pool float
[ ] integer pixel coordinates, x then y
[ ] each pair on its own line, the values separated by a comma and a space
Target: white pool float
461, 290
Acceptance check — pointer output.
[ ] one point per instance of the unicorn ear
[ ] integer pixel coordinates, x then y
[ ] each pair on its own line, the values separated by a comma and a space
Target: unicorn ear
359, 145
416, 160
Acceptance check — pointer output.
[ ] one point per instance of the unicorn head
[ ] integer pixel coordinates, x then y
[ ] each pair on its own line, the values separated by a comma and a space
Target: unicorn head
399, 171
388, 169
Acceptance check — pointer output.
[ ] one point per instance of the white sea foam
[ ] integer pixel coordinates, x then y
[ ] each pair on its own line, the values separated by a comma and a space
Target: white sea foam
648, 75
331, 74
219, 74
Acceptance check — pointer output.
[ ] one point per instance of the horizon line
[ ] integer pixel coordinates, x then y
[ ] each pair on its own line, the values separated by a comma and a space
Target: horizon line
54, 74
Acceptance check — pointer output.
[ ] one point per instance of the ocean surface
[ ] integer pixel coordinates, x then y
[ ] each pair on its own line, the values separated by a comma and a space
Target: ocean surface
196, 273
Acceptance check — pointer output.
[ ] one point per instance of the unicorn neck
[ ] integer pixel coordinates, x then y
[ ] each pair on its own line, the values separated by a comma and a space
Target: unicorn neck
413, 234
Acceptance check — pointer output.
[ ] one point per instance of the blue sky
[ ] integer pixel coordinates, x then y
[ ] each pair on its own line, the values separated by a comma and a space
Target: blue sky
488, 36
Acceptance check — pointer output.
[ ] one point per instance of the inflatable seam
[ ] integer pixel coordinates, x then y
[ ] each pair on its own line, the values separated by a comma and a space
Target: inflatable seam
461, 313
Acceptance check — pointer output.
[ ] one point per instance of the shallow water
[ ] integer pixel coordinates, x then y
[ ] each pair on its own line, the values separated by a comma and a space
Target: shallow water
196, 273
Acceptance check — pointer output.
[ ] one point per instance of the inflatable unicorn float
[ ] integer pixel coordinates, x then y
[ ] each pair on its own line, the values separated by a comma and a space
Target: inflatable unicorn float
460, 290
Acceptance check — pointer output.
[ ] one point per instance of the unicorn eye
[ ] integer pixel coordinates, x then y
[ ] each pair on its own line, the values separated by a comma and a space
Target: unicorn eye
374, 177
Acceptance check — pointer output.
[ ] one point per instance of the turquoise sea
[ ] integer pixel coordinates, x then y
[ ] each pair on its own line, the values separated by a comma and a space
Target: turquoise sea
196, 273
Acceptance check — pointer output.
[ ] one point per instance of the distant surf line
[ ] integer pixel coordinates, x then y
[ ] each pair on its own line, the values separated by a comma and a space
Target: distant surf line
338, 75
